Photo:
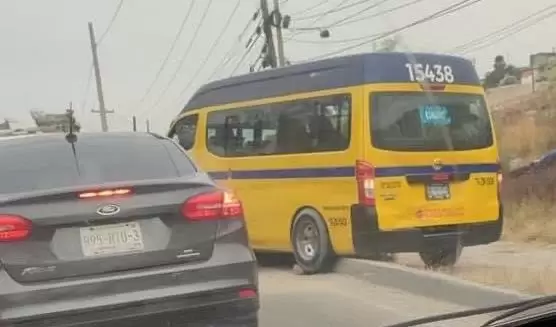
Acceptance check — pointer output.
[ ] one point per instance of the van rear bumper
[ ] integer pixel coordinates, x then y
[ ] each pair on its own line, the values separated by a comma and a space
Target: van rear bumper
368, 239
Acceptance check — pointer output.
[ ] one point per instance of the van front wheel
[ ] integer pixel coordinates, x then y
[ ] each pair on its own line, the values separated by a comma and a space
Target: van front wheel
311, 244
436, 255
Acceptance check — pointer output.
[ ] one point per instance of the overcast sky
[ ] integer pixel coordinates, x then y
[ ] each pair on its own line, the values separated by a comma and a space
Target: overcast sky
46, 56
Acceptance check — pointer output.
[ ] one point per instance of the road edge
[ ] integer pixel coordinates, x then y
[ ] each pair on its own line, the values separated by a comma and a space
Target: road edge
428, 283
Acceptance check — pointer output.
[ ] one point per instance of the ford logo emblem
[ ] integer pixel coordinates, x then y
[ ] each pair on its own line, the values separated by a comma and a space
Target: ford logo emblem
108, 210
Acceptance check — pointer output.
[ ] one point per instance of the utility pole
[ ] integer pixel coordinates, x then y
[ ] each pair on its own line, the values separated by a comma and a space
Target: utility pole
148, 126
267, 29
134, 124
279, 40
102, 109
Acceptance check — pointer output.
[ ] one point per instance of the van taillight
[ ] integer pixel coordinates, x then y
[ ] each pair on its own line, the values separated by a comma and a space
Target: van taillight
365, 176
14, 228
214, 205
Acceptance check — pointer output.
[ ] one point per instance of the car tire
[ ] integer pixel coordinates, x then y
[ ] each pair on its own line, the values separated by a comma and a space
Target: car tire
439, 255
311, 244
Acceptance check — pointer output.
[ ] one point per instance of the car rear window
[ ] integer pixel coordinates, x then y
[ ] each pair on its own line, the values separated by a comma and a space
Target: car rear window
419, 121
50, 163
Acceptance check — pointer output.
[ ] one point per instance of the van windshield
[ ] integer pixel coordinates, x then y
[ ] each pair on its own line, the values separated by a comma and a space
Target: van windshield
419, 121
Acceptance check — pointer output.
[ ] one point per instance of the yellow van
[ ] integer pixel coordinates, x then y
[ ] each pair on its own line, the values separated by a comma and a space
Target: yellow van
353, 156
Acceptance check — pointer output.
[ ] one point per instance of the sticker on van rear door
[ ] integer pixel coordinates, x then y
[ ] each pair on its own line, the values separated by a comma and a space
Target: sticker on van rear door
432, 114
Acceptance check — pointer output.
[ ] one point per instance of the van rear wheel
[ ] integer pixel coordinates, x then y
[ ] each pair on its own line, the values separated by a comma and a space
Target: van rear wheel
438, 255
311, 244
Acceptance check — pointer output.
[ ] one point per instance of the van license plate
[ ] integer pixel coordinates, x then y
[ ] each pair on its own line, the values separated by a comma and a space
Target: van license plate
437, 191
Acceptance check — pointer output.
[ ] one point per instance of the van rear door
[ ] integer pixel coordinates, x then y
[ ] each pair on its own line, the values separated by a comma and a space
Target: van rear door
435, 159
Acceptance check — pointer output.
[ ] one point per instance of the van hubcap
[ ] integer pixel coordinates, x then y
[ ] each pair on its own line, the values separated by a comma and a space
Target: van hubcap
307, 241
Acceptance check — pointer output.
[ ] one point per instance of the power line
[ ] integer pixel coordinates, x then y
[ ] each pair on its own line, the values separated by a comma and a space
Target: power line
87, 89
310, 8
228, 56
172, 47
245, 54
513, 27
377, 14
319, 17
344, 21
184, 56
548, 15
112, 20
348, 17
214, 44
441, 13
334, 10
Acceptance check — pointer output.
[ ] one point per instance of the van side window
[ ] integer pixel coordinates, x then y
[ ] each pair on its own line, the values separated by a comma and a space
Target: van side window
300, 126
185, 131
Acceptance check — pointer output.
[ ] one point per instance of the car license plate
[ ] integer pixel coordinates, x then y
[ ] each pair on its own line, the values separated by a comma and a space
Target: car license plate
111, 239
438, 191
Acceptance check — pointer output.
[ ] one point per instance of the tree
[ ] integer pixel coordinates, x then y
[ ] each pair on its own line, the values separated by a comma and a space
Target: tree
388, 45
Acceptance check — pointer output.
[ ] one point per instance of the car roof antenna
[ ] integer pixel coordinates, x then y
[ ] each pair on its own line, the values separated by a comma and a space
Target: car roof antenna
71, 137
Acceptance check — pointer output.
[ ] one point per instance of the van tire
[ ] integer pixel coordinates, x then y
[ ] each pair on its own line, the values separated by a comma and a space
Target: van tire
311, 244
439, 255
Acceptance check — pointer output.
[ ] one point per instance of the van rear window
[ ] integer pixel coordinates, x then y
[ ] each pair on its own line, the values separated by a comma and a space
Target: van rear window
419, 121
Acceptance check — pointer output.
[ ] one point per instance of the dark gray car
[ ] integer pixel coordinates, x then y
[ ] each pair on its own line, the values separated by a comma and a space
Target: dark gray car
119, 229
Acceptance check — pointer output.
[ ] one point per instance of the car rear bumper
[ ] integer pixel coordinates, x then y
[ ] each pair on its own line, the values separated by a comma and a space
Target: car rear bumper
222, 308
369, 239
189, 287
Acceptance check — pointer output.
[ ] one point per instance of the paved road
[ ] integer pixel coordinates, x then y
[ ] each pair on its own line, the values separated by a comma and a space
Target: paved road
289, 300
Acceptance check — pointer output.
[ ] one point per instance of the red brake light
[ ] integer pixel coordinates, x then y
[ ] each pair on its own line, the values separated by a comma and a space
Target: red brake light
365, 176
14, 228
440, 177
247, 293
214, 205
432, 87
104, 193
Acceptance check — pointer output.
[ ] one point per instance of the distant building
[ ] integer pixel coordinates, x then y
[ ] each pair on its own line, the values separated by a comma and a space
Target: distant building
5, 126
52, 123
544, 66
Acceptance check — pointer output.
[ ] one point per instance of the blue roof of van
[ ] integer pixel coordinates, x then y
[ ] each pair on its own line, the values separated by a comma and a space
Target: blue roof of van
337, 72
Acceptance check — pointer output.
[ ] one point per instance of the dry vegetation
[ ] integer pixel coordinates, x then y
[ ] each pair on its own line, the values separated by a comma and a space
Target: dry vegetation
526, 130
527, 280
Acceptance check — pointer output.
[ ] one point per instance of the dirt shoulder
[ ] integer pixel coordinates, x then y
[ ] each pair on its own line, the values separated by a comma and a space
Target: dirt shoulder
529, 268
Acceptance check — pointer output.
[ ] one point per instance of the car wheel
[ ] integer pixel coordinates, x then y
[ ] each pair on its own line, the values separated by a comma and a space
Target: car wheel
311, 243
436, 255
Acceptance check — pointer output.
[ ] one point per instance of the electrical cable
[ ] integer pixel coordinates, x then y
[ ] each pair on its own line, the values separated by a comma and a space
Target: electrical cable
184, 56
170, 50
214, 44
372, 38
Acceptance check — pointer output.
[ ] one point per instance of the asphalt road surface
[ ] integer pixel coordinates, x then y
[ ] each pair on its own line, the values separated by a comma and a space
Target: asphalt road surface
289, 300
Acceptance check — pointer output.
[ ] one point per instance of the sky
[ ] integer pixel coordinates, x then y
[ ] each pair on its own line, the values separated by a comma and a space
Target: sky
46, 54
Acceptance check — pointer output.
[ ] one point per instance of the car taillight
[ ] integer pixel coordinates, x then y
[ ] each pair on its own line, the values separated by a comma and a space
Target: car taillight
14, 228
247, 293
365, 176
214, 205
104, 193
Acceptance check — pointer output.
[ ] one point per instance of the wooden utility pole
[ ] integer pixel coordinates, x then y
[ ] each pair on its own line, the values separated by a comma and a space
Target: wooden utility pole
279, 38
148, 126
102, 109
267, 29
134, 124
